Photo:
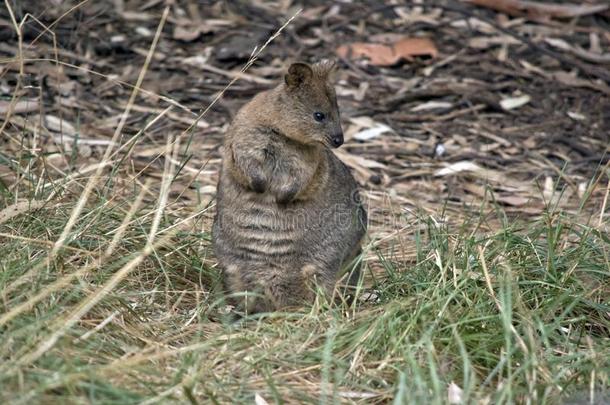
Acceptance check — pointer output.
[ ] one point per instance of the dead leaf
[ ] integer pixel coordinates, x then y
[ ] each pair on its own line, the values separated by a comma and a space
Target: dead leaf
21, 106
566, 78
144, 31
18, 208
576, 116
514, 200
354, 161
487, 42
372, 132
199, 61
594, 45
362, 121
549, 188
56, 124
570, 80
538, 10
391, 54
578, 51
365, 128
432, 105
187, 33
510, 103
464, 166
358, 93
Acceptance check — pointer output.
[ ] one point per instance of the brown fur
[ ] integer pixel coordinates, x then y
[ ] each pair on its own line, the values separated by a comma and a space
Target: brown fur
288, 211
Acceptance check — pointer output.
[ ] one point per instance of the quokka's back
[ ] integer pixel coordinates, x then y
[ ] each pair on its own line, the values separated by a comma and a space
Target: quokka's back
289, 215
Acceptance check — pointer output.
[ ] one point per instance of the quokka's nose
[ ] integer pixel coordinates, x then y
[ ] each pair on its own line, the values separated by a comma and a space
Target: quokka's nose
337, 140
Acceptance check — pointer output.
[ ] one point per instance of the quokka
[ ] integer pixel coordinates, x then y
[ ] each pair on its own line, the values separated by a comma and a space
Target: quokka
288, 214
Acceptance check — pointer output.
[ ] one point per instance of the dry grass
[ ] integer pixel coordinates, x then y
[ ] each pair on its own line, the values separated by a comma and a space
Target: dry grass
487, 258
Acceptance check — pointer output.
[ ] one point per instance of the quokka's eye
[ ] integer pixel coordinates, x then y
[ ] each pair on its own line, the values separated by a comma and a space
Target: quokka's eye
318, 116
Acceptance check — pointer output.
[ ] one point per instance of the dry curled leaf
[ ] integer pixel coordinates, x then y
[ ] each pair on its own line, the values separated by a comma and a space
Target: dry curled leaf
540, 11
186, 33
391, 54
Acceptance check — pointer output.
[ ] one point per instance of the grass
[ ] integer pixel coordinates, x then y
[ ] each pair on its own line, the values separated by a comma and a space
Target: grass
108, 295
519, 314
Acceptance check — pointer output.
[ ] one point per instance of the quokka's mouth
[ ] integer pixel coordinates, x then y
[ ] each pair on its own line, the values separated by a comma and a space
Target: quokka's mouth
326, 142
332, 142
336, 141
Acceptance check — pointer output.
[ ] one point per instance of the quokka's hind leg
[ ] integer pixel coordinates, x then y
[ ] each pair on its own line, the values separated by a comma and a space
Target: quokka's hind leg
288, 288
276, 288
279, 289
256, 289
317, 280
282, 289
253, 289
238, 290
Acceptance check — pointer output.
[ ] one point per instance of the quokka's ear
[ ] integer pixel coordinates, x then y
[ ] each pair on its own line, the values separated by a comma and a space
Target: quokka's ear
298, 74
325, 70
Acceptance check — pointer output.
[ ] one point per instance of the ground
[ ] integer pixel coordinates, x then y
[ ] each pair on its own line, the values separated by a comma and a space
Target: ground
483, 161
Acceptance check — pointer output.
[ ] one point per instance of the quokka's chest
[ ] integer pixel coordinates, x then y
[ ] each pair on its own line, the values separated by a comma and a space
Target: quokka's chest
262, 212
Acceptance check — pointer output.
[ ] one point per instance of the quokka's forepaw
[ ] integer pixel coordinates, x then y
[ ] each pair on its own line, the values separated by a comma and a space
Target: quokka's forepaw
286, 195
258, 184
309, 272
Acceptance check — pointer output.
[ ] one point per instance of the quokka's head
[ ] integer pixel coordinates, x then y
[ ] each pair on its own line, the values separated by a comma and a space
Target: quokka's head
310, 113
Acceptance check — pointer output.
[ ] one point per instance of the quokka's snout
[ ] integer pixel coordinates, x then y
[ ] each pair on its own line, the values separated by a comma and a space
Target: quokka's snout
337, 139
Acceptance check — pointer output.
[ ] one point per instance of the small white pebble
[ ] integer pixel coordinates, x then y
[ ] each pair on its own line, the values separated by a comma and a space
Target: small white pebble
258, 400
454, 394
145, 32
440, 150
